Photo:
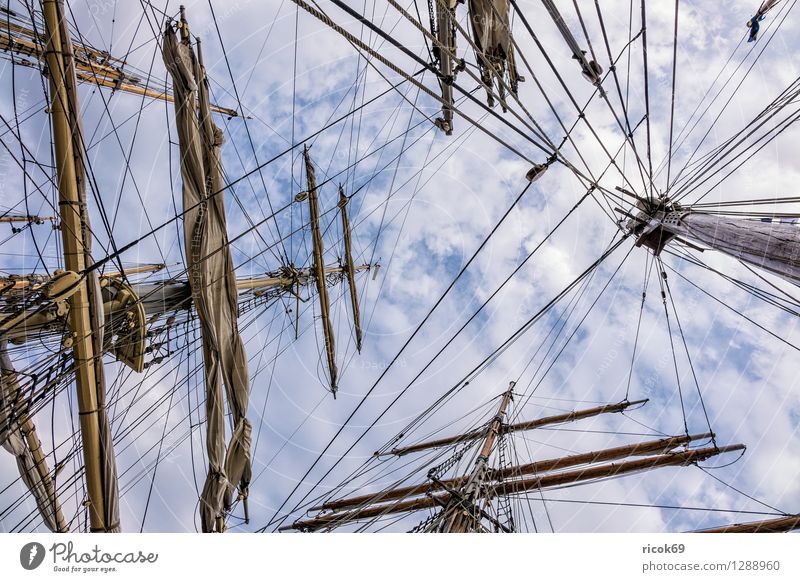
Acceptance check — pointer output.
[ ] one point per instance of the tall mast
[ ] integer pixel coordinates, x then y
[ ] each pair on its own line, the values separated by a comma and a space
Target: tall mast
319, 269
465, 501
771, 246
445, 34
131, 309
85, 314
349, 266
465, 519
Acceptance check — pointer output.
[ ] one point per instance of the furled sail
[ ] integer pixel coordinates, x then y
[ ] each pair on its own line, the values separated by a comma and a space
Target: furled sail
766, 6
18, 436
492, 37
490, 21
211, 278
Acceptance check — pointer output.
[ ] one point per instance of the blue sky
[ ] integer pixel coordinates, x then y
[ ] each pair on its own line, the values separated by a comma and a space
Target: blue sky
438, 203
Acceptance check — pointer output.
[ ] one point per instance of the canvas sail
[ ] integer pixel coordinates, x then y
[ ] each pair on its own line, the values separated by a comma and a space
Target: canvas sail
212, 281
18, 437
491, 29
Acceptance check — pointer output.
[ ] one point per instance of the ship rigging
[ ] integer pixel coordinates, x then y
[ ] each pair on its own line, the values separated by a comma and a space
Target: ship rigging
236, 298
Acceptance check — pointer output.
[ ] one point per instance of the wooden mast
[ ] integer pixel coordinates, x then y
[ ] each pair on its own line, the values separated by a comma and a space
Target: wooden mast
771, 246
465, 518
445, 13
76, 237
774, 247
319, 270
349, 267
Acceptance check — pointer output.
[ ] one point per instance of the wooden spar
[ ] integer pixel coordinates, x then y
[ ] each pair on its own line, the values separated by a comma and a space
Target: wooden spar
50, 302
287, 281
660, 445
92, 65
19, 218
154, 268
11, 283
612, 469
389, 495
119, 85
28, 429
575, 415
77, 239
464, 520
349, 267
589, 69
30, 43
18, 326
15, 284
340, 518
517, 486
319, 270
777, 525
531, 424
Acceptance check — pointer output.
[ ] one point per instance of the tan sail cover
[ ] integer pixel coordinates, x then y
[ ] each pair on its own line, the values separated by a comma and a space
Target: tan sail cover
766, 6
19, 439
490, 27
211, 277
494, 47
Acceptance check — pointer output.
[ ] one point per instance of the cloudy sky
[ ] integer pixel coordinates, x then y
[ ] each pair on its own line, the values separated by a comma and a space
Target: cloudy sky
422, 204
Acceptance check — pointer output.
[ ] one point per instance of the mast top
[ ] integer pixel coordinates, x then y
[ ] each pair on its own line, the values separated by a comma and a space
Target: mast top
183, 26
